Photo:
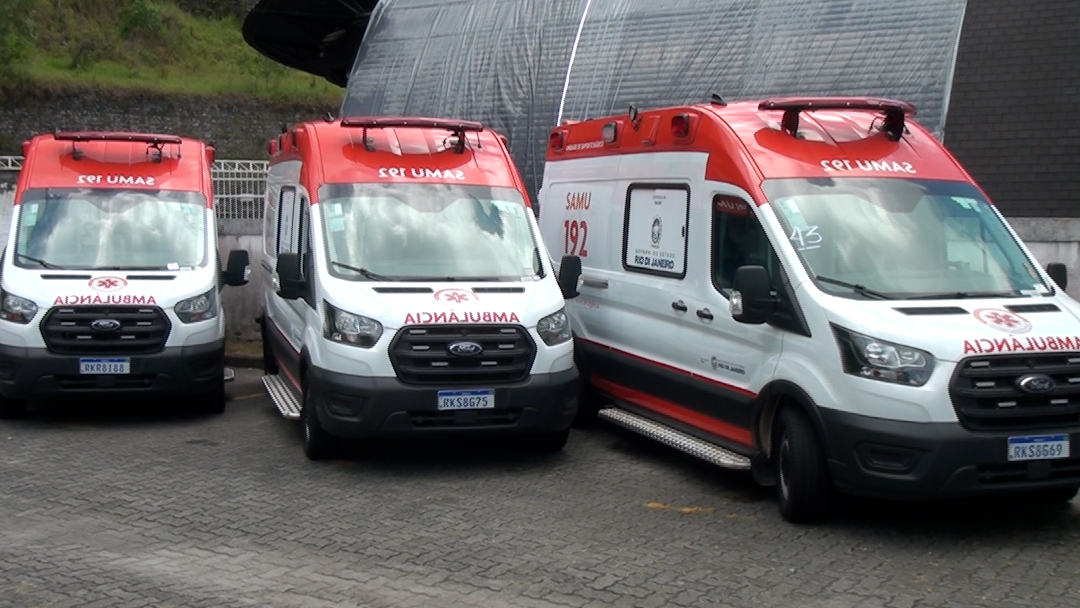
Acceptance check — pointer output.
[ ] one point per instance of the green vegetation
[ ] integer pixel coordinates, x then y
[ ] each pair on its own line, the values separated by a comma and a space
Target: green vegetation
165, 46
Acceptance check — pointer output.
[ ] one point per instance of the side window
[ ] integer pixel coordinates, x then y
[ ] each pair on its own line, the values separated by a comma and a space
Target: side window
738, 240
288, 221
654, 229
304, 235
270, 219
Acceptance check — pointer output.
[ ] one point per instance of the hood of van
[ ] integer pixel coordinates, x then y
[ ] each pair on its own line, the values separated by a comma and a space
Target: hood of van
399, 304
107, 288
954, 329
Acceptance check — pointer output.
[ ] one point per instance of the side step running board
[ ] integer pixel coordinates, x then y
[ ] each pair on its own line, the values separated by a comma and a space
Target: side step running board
676, 439
282, 396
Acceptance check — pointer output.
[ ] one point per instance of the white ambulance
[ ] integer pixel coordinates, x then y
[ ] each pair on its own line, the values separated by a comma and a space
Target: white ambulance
813, 289
110, 276
409, 292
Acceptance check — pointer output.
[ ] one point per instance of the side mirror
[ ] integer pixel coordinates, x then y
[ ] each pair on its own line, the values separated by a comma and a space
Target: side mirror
236, 271
290, 280
569, 273
1059, 273
751, 295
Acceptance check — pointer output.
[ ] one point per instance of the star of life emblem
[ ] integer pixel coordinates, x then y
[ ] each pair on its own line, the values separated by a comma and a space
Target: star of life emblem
1003, 320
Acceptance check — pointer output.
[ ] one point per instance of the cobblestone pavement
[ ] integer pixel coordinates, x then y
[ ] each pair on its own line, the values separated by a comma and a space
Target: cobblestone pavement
117, 506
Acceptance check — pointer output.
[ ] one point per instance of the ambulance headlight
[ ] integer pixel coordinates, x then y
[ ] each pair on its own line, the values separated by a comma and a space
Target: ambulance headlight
880, 360
348, 328
554, 328
16, 309
200, 308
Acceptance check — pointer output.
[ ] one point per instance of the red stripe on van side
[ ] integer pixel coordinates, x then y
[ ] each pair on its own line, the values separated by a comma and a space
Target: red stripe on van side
675, 412
724, 385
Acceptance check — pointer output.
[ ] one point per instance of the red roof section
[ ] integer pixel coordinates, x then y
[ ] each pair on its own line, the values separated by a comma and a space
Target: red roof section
747, 144
106, 159
425, 150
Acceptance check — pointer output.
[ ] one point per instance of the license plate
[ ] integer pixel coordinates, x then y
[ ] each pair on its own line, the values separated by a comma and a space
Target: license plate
1038, 447
105, 366
476, 399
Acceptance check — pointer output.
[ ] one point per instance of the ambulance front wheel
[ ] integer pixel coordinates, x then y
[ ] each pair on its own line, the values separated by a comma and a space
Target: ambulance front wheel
318, 444
11, 409
803, 485
1055, 495
551, 442
213, 402
270, 366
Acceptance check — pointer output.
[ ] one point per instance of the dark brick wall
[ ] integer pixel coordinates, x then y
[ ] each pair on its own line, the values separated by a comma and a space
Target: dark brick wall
1014, 115
239, 127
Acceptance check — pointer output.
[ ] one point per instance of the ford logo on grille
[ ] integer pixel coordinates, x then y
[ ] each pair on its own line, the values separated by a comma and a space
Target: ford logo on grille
465, 349
1036, 383
105, 325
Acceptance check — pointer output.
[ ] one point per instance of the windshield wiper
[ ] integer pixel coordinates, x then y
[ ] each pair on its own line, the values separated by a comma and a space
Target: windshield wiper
452, 279
364, 272
960, 295
40, 262
859, 289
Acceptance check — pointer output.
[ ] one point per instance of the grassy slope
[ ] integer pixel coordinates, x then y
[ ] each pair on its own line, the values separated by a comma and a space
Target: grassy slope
145, 45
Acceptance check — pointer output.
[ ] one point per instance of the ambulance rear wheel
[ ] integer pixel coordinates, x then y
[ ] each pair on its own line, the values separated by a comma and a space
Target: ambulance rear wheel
11, 409
318, 444
803, 485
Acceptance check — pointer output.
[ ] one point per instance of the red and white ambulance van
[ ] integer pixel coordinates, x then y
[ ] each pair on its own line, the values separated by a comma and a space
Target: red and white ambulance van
813, 289
409, 292
110, 275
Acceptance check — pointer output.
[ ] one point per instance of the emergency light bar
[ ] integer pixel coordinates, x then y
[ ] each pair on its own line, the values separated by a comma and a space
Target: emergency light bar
895, 111
149, 138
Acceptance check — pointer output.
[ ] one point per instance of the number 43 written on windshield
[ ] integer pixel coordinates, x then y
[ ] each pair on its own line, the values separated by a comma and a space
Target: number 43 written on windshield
575, 233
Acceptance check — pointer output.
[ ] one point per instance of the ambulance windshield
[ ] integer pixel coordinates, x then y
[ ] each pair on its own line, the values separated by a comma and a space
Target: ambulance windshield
111, 229
902, 239
411, 232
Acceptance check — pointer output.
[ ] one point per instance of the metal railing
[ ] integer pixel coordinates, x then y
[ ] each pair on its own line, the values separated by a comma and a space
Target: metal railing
239, 186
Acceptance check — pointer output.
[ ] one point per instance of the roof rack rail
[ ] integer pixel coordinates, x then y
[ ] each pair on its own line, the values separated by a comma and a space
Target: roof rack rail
895, 111
457, 127
149, 138
376, 122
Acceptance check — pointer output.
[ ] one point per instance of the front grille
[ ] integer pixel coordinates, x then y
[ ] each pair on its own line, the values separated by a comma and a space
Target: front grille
106, 382
986, 395
68, 330
421, 355
1020, 472
430, 420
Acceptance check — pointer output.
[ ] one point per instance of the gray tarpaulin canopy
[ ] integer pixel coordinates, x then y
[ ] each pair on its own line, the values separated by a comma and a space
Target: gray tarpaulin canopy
522, 66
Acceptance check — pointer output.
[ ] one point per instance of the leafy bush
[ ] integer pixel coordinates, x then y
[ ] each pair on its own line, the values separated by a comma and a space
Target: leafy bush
15, 34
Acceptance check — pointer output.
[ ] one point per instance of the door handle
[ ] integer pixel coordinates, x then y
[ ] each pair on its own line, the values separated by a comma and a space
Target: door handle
704, 313
679, 306
595, 283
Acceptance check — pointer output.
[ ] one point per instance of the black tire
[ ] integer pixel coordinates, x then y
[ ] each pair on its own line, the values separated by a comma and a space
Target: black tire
1054, 495
550, 442
589, 403
212, 402
269, 363
12, 409
803, 485
318, 444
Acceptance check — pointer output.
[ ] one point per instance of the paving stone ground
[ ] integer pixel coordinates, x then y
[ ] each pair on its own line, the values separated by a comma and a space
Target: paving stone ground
145, 505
